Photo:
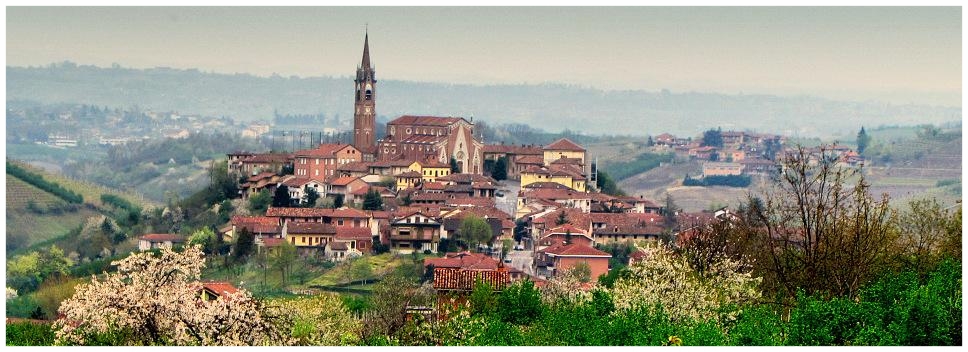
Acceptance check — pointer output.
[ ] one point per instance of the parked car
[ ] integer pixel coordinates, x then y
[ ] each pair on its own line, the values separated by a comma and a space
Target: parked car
507, 260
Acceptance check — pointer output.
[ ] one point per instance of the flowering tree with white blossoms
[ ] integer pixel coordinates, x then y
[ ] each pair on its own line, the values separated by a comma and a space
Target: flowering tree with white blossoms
567, 287
155, 300
667, 279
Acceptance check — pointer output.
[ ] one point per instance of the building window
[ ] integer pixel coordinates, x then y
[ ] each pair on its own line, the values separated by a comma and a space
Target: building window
408, 130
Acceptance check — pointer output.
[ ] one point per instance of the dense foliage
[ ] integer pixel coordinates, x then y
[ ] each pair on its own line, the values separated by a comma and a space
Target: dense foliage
717, 180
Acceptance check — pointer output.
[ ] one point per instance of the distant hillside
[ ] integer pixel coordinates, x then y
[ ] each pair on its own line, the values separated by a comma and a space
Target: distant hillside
548, 106
34, 216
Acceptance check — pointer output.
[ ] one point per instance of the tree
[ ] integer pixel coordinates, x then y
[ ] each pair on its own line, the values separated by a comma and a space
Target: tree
607, 185
454, 168
361, 270
520, 303
863, 140
320, 320
667, 279
474, 230
283, 258
155, 300
669, 210
260, 201
925, 229
819, 229
310, 197
205, 238
372, 200
500, 171
582, 271
483, 300
337, 201
390, 298
281, 197
244, 243
713, 138
562, 218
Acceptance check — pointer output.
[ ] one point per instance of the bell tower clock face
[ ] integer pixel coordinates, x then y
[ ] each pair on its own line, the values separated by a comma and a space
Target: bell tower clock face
367, 109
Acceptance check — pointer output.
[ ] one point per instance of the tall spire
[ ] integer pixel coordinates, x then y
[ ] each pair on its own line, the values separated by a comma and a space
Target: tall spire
366, 51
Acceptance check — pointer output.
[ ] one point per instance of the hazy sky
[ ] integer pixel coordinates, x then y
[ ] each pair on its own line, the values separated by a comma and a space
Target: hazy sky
893, 54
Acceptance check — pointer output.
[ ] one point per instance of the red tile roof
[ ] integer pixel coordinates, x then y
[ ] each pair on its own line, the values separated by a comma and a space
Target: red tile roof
464, 280
424, 120
463, 260
343, 181
323, 150
409, 174
471, 201
310, 228
529, 159
256, 224
353, 233
355, 166
315, 212
272, 241
567, 228
436, 186
564, 144
220, 288
575, 250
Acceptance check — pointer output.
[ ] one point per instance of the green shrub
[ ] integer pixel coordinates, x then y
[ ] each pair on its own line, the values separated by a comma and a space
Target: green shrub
29, 334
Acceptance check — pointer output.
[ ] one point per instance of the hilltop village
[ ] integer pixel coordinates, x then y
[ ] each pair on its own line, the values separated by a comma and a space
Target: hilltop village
419, 189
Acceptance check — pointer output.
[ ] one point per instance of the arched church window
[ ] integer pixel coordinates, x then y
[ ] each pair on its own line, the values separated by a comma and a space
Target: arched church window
369, 91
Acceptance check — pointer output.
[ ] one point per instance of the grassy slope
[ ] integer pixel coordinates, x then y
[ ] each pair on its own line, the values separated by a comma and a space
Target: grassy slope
42, 227
38, 228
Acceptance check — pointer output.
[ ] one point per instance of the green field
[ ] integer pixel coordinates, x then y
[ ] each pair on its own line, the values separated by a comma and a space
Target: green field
30, 227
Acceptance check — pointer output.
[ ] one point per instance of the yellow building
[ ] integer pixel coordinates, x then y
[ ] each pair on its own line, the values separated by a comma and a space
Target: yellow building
430, 170
563, 148
408, 179
564, 175
309, 235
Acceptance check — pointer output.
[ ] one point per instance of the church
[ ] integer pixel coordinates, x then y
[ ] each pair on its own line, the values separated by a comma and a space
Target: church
408, 137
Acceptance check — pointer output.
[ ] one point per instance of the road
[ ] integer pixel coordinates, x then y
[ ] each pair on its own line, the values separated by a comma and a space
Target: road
522, 260
509, 202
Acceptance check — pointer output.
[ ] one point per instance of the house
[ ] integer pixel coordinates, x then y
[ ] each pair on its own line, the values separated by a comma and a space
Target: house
430, 169
217, 289
299, 186
322, 161
408, 179
711, 168
158, 240
340, 217
260, 226
567, 175
415, 231
665, 139
757, 166
563, 148
454, 285
309, 237
703, 153
345, 186
469, 261
252, 164
565, 256
353, 169
514, 154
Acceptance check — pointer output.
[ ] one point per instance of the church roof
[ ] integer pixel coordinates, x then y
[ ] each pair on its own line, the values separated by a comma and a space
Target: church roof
366, 52
425, 120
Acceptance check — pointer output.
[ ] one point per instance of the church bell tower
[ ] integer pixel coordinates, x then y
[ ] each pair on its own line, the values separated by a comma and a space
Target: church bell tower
364, 115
